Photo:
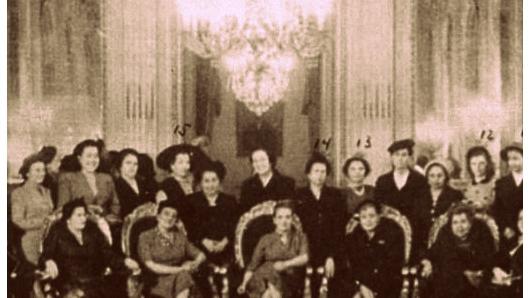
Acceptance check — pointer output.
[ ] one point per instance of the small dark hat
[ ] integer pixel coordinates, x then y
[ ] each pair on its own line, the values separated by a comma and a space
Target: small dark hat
401, 144
167, 156
28, 162
515, 146
47, 153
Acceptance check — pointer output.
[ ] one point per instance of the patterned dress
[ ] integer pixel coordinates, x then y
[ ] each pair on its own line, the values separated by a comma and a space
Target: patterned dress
269, 250
153, 246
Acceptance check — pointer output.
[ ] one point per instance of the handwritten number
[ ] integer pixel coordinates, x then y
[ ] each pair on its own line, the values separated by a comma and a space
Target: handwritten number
182, 132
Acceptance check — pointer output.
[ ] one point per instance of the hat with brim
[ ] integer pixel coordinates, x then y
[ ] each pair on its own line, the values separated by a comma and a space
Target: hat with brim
401, 144
515, 146
198, 158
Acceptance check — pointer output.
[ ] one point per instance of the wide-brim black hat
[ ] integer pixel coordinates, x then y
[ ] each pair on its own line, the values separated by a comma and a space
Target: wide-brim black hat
197, 157
401, 144
515, 146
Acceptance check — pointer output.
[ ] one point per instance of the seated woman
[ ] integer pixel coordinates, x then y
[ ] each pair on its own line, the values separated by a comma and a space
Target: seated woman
460, 255
31, 204
438, 200
375, 251
95, 188
76, 254
166, 252
132, 191
508, 270
356, 169
480, 167
275, 268
214, 220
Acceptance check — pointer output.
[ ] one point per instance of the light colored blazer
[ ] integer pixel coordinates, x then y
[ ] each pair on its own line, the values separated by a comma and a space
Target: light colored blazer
74, 185
30, 205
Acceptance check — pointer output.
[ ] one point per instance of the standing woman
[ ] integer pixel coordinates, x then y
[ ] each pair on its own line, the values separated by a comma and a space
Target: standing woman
356, 169
52, 161
95, 188
266, 183
177, 161
132, 191
31, 204
480, 167
509, 191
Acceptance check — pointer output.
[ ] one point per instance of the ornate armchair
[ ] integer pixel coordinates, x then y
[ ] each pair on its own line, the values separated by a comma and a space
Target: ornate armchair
142, 219
251, 227
435, 229
394, 215
42, 286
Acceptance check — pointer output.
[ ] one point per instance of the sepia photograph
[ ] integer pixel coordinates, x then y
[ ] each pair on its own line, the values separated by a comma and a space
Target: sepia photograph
264, 148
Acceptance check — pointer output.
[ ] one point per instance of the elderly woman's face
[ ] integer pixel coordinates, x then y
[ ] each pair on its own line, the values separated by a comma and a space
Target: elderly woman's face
210, 183
283, 219
89, 159
78, 219
515, 161
356, 171
436, 177
129, 166
36, 172
181, 166
261, 163
167, 218
478, 165
461, 225
369, 218
53, 166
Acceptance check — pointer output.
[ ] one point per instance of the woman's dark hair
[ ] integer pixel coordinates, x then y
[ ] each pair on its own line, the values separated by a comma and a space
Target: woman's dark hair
368, 203
480, 151
213, 166
47, 154
78, 150
349, 161
272, 158
317, 158
167, 204
283, 205
27, 163
146, 166
444, 169
122, 155
461, 208
70, 207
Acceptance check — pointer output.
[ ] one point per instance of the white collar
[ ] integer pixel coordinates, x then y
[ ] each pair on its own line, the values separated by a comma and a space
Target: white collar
518, 177
265, 181
400, 179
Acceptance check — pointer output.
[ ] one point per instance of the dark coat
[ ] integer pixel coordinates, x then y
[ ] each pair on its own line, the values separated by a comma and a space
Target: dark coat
404, 200
323, 222
129, 199
213, 222
427, 213
280, 187
377, 262
450, 257
508, 202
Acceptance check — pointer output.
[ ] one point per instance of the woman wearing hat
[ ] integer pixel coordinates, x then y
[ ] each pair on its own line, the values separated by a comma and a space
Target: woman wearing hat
480, 167
177, 160
439, 198
31, 205
509, 191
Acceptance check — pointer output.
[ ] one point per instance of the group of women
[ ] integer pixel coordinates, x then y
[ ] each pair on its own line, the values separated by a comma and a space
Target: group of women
366, 262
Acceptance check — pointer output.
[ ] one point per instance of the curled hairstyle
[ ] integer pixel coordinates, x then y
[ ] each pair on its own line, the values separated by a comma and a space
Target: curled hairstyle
215, 167
317, 158
363, 161
123, 154
270, 156
461, 208
70, 207
480, 151
283, 205
28, 162
78, 151
48, 153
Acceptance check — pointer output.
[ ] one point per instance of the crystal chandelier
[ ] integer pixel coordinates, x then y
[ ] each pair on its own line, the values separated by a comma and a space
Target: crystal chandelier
257, 41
